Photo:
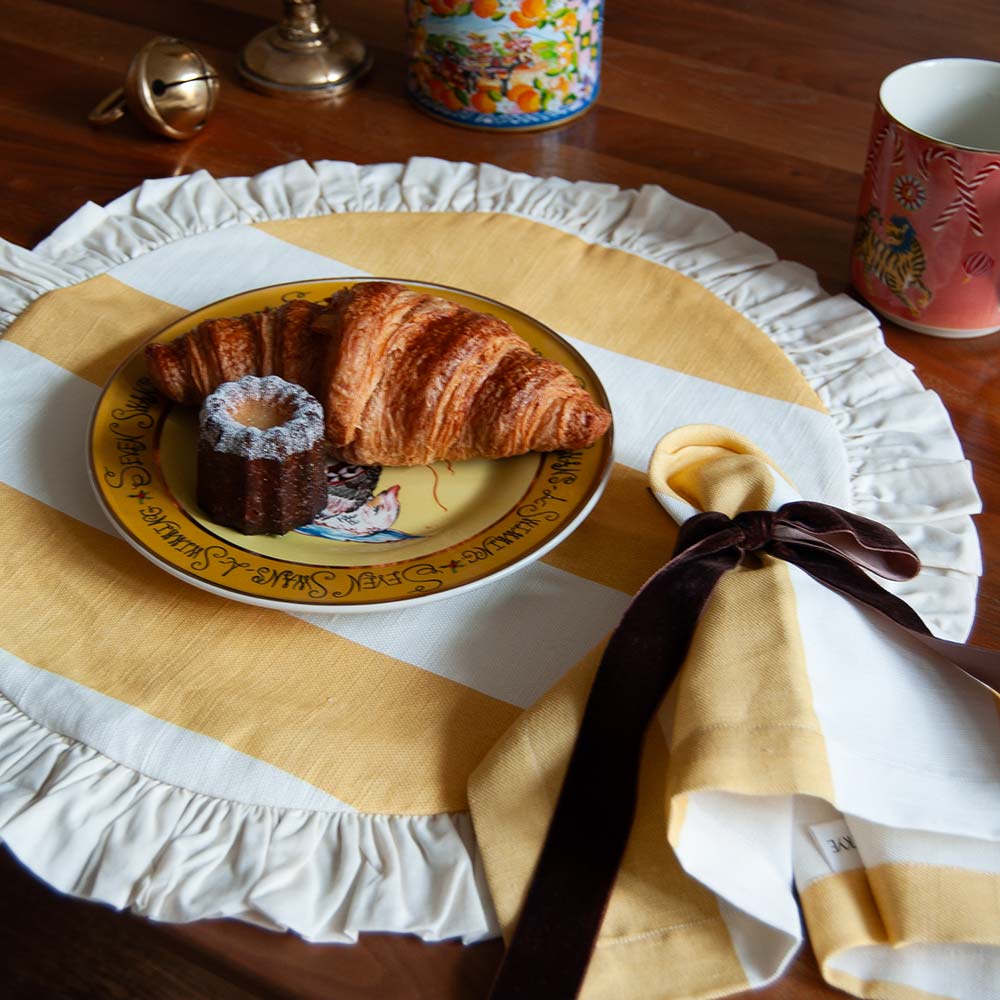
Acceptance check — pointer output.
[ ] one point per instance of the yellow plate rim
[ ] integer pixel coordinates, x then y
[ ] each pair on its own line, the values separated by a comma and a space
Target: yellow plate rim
590, 491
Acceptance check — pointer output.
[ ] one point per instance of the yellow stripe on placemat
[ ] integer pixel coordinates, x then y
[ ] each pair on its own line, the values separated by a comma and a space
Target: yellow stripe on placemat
376, 733
624, 540
90, 328
607, 297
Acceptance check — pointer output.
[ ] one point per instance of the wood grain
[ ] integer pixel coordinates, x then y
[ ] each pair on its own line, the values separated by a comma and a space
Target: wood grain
756, 109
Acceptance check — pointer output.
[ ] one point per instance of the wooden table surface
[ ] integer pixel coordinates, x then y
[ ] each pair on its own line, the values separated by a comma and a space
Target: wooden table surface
757, 109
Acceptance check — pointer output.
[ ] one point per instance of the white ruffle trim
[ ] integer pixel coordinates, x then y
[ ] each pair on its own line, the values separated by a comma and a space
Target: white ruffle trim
99, 830
906, 465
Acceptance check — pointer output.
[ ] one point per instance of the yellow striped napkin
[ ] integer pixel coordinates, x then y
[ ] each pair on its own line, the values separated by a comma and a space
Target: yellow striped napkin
803, 749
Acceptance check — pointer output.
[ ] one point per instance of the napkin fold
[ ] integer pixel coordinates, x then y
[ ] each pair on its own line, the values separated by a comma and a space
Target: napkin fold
806, 748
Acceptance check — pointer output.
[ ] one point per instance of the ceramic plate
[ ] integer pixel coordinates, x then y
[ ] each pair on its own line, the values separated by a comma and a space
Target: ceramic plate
388, 536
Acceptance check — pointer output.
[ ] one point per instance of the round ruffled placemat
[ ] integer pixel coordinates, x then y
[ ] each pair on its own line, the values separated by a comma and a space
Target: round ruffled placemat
187, 757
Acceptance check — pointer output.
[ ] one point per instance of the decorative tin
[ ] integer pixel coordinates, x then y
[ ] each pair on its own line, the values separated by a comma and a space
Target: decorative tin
509, 65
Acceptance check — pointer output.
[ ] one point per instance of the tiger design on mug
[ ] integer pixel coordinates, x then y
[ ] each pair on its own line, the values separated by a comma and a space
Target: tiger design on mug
892, 252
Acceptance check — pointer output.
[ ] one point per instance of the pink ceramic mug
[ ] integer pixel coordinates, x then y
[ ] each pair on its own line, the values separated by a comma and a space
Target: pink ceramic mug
927, 245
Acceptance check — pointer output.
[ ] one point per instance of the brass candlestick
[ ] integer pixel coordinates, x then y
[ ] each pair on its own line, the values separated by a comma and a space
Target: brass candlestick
304, 56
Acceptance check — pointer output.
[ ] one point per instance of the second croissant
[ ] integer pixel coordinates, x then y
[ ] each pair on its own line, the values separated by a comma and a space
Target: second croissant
405, 378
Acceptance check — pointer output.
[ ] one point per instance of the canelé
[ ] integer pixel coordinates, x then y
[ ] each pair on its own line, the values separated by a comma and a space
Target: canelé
261, 456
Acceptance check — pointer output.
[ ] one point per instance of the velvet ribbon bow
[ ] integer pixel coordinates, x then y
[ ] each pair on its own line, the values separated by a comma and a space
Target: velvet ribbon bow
565, 903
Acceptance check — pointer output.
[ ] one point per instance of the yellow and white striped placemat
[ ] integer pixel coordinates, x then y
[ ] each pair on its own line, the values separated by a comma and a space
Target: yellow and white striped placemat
336, 750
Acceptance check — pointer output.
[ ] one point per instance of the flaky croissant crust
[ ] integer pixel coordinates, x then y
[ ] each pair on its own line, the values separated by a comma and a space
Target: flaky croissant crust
405, 378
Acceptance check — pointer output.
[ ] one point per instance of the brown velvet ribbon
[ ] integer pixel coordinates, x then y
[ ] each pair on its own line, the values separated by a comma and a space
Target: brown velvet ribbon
550, 949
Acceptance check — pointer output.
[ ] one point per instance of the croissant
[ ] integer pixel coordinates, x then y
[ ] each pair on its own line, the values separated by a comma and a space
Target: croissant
405, 378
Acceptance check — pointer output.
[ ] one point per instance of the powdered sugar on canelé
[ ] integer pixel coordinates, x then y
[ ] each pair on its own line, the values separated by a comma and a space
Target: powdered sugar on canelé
261, 456
261, 417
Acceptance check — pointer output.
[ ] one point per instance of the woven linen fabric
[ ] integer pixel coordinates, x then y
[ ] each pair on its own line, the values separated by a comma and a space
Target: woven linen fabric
188, 756
805, 746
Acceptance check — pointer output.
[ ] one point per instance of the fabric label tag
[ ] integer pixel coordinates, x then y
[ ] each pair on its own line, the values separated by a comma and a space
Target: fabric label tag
836, 843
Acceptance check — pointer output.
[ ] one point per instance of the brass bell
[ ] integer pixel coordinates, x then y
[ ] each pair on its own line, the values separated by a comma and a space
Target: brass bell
169, 88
